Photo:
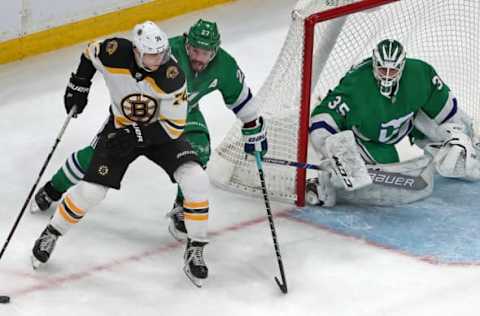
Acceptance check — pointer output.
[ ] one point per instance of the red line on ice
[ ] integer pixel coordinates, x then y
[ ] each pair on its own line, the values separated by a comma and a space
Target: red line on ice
48, 283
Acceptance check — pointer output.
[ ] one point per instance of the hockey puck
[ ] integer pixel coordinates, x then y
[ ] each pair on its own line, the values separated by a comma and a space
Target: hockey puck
4, 299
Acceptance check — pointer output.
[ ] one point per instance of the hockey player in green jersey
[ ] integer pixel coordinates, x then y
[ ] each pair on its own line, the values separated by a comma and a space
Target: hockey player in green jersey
389, 97
208, 68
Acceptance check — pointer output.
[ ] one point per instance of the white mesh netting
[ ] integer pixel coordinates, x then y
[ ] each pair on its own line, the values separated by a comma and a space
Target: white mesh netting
442, 32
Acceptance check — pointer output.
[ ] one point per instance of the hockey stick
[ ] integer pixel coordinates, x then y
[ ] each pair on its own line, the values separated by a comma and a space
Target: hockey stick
60, 134
387, 178
293, 163
283, 285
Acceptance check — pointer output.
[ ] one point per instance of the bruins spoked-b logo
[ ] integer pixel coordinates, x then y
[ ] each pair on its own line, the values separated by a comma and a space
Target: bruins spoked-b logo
139, 108
103, 170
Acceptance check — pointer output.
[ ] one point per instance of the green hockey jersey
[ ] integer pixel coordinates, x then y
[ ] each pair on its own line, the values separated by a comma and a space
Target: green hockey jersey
356, 103
222, 74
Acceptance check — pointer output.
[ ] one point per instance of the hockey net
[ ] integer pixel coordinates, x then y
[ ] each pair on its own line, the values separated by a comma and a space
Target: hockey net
327, 37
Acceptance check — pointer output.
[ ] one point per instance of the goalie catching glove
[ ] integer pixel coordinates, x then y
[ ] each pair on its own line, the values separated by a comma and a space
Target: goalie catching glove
255, 137
459, 155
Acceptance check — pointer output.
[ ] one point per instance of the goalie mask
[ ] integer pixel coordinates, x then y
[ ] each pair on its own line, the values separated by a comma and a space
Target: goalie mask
152, 47
202, 42
388, 62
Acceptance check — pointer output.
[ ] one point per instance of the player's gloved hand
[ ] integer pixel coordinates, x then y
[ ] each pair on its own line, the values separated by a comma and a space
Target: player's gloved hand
458, 156
76, 93
123, 141
255, 137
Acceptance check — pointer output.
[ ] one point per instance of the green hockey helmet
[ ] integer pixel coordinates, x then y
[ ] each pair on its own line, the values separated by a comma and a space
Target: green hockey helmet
388, 62
204, 34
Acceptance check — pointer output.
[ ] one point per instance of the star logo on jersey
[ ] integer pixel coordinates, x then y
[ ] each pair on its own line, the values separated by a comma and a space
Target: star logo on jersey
172, 72
213, 84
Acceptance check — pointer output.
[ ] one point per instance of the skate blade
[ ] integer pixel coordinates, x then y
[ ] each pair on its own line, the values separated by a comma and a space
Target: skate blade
36, 264
195, 281
180, 236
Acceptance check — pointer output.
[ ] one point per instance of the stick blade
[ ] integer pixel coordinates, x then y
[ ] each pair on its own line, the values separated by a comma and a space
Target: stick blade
283, 287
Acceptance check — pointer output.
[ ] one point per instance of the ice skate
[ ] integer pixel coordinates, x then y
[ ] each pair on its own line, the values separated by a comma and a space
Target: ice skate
43, 199
44, 246
176, 226
195, 267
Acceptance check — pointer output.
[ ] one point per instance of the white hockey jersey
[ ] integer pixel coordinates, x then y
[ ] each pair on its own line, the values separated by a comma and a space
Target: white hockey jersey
138, 96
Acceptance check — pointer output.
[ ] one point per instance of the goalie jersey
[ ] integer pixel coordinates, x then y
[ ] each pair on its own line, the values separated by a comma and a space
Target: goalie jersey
356, 104
138, 96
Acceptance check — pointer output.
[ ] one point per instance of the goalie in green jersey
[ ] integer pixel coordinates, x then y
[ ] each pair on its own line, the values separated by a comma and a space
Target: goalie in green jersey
381, 101
207, 68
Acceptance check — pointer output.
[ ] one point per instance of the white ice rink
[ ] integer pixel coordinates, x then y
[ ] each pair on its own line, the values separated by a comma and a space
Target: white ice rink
121, 259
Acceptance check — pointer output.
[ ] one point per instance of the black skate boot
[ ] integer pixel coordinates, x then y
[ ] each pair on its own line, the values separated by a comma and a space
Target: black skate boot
44, 198
195, 267
44, 246
177, 222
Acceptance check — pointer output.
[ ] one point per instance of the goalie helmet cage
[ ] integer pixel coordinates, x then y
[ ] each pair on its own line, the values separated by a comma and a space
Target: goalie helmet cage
325, 38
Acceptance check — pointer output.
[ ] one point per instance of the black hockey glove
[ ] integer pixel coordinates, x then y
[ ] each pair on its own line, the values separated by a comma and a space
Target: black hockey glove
76, 93
123, 141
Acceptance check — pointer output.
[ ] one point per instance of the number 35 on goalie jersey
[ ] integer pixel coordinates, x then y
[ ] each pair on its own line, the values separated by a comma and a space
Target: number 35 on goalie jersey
356, 103
138, 96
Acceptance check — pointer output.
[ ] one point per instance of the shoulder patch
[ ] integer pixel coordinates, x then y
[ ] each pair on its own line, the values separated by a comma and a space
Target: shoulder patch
169, 77
172, 72
111, 47
116, 53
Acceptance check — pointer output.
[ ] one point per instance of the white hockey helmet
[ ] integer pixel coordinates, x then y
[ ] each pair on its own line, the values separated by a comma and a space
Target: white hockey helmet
388, 62
148, 38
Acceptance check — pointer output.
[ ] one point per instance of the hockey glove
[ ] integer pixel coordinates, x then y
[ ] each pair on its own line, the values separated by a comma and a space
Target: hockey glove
76, 93
458, 156
255, 137
123, 141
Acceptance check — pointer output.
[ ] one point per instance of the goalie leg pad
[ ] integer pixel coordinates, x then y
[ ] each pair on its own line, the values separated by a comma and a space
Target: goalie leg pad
397, 188
348, 167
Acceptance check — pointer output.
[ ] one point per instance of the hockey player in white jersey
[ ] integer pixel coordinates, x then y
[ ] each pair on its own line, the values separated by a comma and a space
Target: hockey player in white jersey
380, 102
147, 116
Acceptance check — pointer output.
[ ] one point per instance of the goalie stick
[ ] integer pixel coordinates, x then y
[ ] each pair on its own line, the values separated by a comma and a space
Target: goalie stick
393, 179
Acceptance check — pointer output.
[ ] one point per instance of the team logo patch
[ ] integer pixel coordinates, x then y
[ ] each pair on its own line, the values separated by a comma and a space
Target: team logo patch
172, 72
213, 84
111, 47
103, 170
139, 108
